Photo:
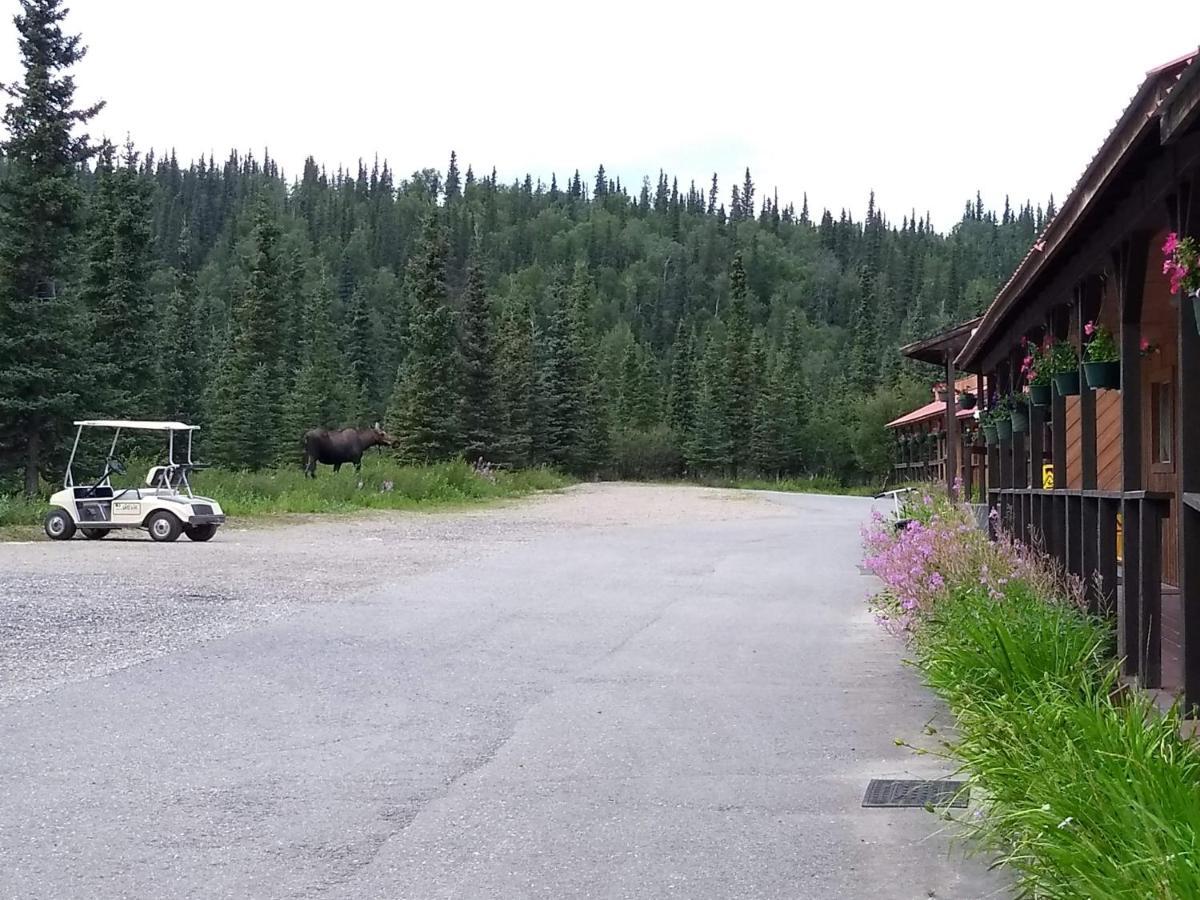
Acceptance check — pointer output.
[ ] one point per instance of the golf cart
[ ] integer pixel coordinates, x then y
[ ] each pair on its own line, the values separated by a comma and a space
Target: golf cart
164, 506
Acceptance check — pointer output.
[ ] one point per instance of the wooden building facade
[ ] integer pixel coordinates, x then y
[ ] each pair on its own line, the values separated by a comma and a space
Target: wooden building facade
1124, 510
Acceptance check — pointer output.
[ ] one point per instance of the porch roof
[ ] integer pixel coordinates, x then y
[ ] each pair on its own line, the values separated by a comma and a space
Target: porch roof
935, 349
934, 410
1139, 120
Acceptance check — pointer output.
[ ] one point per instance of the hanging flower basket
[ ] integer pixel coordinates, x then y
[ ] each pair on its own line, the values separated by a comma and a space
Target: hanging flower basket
966, 400
1181, 264
1004, 430
1020, 418
1101, 358
990, 436
1040, 394
1067, 383
1103, 376
940, 393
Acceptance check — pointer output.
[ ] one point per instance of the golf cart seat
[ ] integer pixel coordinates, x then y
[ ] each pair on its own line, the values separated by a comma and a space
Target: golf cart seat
164, 476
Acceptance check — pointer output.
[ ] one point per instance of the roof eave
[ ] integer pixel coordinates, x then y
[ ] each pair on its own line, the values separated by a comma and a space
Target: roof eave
1139, 116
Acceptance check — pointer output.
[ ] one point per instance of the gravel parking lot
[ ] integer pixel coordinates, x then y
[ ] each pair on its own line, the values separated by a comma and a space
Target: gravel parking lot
80, 610
616, 691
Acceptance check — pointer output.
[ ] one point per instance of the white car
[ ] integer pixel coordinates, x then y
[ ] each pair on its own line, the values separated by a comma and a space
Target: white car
165, 506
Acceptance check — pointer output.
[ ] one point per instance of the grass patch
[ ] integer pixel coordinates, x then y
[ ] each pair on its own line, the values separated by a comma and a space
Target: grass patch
276, 492
815, 485
282, 492
1088, 790
17, 511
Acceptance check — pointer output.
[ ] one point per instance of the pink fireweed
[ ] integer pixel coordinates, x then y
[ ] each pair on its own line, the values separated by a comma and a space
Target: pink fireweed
941, 549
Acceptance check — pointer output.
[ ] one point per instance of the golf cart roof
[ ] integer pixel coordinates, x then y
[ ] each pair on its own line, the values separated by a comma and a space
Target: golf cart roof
137, 425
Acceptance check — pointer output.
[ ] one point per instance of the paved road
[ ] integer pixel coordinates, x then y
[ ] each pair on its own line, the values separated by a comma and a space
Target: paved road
682, 696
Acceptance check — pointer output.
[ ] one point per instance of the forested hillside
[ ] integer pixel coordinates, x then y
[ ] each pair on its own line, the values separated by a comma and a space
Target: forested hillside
647, 329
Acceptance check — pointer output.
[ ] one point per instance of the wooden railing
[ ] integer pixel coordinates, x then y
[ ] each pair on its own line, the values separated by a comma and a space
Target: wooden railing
1079, 529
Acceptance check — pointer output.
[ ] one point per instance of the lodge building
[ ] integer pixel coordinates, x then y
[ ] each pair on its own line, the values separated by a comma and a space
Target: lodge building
1106, 480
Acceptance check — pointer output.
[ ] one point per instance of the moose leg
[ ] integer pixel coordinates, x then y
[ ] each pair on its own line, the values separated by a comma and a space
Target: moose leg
337, 467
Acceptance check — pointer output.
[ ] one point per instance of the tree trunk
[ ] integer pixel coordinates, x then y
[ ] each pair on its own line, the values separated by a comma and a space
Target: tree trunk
33, 448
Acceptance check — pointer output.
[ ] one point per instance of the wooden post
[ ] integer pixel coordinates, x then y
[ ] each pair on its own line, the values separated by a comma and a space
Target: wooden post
1129, 610
1188, 501
1150, 624
1075, 535
1106, 564
1129, 266
951, 427
1090, 533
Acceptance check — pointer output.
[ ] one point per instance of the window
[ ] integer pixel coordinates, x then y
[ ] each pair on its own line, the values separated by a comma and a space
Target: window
1162, 423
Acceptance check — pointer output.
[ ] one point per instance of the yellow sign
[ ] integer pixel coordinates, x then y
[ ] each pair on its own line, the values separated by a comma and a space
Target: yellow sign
1048, 477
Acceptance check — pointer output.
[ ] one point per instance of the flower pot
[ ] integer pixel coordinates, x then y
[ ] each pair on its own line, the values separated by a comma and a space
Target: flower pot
1196, 308
1020, 419
1004, 430
967, 401
941, 396
1103, 376
990, 437
1067, 384
1040, 394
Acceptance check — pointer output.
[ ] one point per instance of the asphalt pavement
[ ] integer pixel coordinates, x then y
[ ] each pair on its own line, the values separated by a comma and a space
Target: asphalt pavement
503, 705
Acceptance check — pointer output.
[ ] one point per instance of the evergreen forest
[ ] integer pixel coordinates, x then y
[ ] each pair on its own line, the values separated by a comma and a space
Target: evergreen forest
655, 329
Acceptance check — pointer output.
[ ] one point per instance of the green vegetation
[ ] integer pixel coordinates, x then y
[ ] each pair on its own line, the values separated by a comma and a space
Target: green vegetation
1087, 789
387, 484
650, 330
276, 492
814, 485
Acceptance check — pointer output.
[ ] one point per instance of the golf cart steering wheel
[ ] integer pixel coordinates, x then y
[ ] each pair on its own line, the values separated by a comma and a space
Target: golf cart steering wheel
115, 465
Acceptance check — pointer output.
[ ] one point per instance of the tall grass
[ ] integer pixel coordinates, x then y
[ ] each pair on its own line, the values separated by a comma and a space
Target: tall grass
817, 484
1089, 791
16, 510
386, 484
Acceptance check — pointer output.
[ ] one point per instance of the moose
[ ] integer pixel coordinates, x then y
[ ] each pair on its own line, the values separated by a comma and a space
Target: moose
334, 448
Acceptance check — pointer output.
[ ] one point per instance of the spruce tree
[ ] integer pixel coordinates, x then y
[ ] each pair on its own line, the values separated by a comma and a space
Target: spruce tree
40, 207
243, 400
767, 452
792, 385
480, 409
739, 364
425, 412
563, 383
181, 364
516, 382
681, 396
122, 371
325, 394
361, 352
709, 448
453, 185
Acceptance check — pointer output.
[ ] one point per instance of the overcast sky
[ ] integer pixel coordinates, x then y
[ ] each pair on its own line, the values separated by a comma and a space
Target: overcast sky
922, 102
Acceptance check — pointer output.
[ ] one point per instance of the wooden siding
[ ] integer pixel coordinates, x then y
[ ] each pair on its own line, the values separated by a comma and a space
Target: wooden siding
1158, 327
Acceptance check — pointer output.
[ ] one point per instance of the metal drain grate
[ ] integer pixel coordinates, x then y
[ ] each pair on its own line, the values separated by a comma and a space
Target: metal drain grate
891, 793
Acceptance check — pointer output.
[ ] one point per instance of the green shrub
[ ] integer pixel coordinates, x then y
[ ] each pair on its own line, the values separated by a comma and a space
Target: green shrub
647, 454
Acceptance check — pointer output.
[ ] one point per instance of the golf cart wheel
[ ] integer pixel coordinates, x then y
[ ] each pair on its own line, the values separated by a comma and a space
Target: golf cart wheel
164, 527
95, 534
59, 525
200, 532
